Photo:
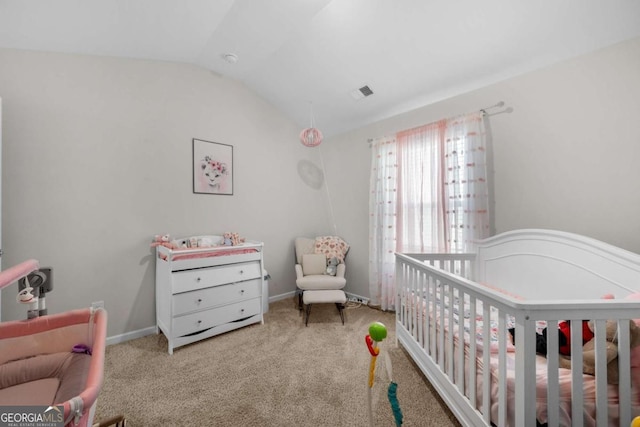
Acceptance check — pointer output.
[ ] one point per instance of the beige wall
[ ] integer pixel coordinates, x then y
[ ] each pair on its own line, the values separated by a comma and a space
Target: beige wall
97, 159
566, 158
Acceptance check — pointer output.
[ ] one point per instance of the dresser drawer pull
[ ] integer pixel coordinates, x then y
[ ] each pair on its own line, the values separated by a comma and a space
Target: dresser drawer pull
198, 279
241, 291
199, 300
199, 322
241, 271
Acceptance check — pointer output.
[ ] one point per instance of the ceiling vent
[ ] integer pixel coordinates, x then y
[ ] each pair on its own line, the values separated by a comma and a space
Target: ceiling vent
363, 92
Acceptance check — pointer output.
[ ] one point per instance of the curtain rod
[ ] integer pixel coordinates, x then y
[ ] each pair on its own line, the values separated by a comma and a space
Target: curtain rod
483, 111
506, 110
498, 105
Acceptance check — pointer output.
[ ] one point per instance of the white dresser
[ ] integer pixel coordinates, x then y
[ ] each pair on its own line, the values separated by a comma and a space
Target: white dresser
207, 291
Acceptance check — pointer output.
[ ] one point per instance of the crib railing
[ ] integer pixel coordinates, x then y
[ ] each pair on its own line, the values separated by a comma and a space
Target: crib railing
433, 291
459, 264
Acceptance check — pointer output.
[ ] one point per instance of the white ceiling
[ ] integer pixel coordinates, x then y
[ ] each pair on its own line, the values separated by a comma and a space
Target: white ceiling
296, 52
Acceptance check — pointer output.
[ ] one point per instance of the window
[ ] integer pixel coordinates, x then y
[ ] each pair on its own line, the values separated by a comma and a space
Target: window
429, 193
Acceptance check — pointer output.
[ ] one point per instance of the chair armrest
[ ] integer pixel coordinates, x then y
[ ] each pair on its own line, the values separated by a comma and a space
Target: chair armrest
299, 274
341, 270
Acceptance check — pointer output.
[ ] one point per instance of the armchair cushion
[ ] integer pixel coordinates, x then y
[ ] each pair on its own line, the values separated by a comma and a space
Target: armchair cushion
320, 282
313, 264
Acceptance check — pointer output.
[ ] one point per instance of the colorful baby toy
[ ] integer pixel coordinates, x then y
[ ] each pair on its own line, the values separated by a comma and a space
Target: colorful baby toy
377, 333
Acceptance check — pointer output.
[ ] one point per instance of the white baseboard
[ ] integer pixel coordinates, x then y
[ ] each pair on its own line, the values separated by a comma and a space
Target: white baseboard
282, 296
128, 336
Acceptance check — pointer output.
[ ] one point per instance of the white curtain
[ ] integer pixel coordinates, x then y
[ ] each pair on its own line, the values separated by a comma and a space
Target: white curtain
429, 193
465, 187
382, 222
420, 208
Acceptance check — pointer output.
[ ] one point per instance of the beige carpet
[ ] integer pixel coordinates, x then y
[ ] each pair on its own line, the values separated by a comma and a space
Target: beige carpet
277, 374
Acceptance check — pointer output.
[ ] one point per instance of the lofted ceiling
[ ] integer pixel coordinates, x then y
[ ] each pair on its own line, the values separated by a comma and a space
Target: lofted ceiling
295, 53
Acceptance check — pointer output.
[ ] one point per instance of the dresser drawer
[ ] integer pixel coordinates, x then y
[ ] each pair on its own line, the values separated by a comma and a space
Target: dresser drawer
197, 322
190, 280
217, 295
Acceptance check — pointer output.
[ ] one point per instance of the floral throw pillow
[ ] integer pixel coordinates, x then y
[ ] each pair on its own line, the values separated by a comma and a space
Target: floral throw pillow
332, 246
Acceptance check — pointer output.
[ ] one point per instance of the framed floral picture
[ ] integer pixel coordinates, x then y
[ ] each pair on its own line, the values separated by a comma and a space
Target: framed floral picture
212, 167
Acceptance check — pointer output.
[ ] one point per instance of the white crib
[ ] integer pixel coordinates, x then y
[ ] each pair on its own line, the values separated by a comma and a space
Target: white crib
519, 279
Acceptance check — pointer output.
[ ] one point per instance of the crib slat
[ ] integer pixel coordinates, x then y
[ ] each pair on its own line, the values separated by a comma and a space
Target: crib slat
433, 313
553, 388
400, 301
577, 391
412, 321
486, 364
472, 352
408, 300
451, 309
624, 386
421, 309
409, 287
428, 316
408, 297
525, 398
601, 372
441, 326
502, 370
461, 344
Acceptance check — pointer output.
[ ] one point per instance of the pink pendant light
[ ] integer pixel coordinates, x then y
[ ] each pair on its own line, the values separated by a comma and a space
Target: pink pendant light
311, 137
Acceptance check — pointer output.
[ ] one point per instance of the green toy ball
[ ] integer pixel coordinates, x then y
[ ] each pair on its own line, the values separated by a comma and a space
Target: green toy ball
377, 331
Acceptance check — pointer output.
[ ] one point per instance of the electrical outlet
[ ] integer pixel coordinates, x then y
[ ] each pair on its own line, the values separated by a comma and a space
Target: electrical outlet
97, 304
359, 300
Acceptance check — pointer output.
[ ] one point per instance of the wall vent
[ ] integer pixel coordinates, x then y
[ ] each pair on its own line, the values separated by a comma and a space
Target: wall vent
363, 92
366, 90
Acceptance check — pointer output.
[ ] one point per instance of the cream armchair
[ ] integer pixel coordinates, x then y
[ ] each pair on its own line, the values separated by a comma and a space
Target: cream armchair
311, 265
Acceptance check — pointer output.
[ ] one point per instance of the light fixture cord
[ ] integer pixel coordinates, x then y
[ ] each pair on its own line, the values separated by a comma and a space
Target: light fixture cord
311, 113
326, 187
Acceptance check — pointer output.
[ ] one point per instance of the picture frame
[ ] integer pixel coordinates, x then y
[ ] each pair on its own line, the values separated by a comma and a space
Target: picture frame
212, 167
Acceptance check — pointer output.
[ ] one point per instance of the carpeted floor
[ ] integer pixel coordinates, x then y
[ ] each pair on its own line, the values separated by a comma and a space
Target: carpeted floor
277, 374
